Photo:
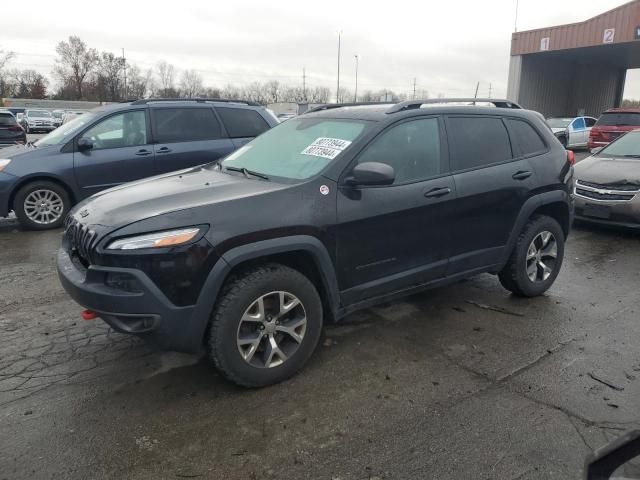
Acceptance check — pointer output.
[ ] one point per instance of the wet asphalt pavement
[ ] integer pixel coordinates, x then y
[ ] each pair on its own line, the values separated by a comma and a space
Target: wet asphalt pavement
464, 381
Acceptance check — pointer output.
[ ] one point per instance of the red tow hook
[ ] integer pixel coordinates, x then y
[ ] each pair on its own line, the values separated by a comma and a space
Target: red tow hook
89, 315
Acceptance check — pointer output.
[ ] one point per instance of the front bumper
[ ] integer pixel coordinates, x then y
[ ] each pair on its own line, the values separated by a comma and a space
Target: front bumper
145, 312
622, 214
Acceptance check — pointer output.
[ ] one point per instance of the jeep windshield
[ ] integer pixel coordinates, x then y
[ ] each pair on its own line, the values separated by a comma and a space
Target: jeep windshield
297, 149
65, 132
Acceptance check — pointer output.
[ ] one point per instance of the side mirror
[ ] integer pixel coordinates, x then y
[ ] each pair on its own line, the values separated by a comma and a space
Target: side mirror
372, 173
84, 144
616, 460
595, 151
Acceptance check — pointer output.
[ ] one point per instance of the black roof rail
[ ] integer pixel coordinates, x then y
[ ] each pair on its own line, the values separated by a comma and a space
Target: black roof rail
144, 101
329, 106
413, 104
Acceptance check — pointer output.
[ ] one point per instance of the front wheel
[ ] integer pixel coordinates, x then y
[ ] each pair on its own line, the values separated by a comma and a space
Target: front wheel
41, 205
536, 259
265, 326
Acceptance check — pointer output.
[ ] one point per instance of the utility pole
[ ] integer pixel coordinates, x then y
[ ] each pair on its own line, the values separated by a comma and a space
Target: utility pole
124, 66
304, 84
338, 87
414, 88
515, 25
490, 90
477, 87
355, 96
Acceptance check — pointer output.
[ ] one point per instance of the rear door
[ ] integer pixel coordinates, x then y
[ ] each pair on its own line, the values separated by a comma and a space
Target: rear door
242, 124
493, 180
121, 152
187, 136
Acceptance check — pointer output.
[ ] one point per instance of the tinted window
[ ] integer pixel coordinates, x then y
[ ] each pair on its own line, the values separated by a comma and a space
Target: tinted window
185, 124
622, 119
528, 139
590, 122
411, 148
123, 130
478, 141
6, 119
242, 123
578, 124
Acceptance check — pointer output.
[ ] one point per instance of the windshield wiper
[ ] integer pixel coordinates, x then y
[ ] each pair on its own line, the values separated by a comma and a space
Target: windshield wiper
633, 155
246, 172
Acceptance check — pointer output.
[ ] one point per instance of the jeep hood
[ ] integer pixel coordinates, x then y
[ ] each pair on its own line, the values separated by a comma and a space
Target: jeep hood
609, 171
181, 190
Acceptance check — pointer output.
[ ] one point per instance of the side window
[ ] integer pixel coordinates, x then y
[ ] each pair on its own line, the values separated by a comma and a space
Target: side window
590, 122
127, 129
242, 122
478, 141
172, 125
578, 124
411, 148
528, 139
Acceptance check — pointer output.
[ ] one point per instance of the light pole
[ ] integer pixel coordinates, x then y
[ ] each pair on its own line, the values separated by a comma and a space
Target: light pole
338, 87
355, 96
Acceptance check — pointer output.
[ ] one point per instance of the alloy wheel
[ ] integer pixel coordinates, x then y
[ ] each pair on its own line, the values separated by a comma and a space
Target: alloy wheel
271, 329
541, 257
43, 207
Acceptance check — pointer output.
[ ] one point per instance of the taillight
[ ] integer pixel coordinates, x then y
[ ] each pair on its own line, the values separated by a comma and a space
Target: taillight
571, 157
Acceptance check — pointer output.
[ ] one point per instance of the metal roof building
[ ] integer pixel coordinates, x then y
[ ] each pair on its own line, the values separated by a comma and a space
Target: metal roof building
579, 68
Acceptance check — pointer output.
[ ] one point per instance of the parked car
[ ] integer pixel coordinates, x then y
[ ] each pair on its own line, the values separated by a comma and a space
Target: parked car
608, 184
58, 117
612, 124
37, 121
117, 144
332, 211
11, 132
572, 131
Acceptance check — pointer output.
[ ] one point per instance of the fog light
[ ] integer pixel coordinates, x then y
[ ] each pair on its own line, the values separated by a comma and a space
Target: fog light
122, 281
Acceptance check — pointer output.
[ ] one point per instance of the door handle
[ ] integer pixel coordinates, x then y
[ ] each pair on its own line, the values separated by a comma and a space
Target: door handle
438, 192
164, 150
521, 175
143, 152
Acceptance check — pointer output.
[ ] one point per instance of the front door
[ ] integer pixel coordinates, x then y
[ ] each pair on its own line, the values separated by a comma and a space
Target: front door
186, 137
578, 134
392, 237
121, 152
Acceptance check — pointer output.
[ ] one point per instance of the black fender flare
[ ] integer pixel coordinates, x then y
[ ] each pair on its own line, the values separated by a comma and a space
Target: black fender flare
235, 256
530, 206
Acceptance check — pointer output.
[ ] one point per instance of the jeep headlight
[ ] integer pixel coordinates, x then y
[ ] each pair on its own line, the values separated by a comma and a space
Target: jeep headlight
169, 238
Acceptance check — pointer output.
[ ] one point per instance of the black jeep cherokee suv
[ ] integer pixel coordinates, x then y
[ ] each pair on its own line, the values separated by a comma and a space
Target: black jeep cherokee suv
332, 211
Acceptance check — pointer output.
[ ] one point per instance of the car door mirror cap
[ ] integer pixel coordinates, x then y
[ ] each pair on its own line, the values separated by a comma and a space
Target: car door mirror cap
84, 144
371, 174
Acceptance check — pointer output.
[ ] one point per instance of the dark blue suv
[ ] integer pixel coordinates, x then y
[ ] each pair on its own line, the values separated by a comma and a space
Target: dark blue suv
116, 144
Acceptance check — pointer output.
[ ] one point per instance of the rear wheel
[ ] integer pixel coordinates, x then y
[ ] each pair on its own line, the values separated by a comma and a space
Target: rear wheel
265, 325
536, 259
41, 205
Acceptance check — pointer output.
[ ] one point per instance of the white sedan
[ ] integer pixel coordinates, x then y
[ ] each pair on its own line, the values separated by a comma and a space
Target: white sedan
572, 131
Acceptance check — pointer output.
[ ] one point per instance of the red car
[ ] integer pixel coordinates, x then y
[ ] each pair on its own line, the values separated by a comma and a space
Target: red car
612, 124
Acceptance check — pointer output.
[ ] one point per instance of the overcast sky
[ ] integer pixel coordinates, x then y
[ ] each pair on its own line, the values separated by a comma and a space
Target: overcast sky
447, 46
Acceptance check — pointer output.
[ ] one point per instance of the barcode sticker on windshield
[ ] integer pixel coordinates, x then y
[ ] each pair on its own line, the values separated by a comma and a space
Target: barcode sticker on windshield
326, 147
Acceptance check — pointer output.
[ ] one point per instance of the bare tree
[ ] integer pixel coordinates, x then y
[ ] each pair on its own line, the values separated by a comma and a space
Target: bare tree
5, 58
27, 84
138, 83
191, 84
110, 75
166, 79
273, 91
75, 62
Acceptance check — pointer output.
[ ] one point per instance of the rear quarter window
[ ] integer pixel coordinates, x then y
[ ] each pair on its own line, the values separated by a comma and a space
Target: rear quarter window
242, 123
172, 125
526, 137
477, 141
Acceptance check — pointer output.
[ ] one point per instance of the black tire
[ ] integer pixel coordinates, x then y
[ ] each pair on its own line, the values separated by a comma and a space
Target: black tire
43, 185
514, 275
238, 294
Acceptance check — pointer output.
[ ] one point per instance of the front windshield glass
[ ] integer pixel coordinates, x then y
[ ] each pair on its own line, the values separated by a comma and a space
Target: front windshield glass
559, 122
39, 113
626, 146
65, 132
298, 148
